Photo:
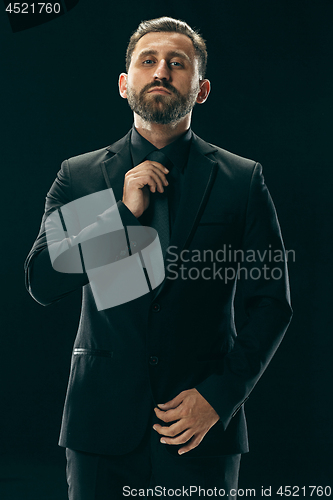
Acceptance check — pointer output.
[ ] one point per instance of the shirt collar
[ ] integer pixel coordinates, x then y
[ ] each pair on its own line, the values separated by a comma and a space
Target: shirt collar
177, 151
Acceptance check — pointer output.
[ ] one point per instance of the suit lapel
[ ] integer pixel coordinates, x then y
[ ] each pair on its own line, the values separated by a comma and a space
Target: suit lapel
199, 178
115, 168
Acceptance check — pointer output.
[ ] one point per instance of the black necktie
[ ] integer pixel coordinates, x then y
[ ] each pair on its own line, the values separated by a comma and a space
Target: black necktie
158, 205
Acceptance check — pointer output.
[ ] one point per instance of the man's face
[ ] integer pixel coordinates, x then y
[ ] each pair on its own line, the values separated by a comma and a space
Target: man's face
163, 77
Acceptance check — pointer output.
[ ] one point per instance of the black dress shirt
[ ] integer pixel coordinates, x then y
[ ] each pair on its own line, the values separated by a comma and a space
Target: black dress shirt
178, 153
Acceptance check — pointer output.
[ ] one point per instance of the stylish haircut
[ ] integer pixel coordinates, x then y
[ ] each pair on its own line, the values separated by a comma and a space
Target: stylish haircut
168, 24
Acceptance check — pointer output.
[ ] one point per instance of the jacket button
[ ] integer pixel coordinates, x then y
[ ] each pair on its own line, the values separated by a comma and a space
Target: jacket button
156, 307
153, 360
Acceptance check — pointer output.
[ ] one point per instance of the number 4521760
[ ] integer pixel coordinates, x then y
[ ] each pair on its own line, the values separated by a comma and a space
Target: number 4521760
311, 491
33, 8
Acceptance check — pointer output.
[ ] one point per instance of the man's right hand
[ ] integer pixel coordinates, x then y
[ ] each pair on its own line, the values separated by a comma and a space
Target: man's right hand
147, 176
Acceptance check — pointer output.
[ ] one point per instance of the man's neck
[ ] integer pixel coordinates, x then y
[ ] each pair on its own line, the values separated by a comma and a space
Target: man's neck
161, 135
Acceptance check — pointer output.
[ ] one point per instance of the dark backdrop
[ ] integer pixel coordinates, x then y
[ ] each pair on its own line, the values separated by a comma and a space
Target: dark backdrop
270, 64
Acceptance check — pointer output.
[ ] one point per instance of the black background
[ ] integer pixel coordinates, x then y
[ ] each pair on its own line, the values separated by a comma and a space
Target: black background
270, 65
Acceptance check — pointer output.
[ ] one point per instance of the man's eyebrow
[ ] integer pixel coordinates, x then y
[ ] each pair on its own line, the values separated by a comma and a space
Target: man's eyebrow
173, 53
179, 53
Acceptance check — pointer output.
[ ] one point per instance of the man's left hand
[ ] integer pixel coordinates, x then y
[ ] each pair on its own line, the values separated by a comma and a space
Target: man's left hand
192, 415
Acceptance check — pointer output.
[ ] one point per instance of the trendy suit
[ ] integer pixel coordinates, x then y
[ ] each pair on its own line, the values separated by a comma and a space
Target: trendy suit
130, 357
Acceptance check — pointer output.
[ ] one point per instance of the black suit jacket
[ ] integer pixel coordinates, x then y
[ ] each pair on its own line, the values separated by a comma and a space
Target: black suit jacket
114, 381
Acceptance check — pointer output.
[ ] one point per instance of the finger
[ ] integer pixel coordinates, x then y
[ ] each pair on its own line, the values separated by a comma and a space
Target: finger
158, 168
173, 403
148, 179
183, 438
172, 430
160, 172
159, 180
194, 442
167, 416
154, 164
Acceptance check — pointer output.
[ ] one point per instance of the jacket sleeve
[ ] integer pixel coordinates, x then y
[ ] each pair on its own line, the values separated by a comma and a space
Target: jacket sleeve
266, 299
44, 283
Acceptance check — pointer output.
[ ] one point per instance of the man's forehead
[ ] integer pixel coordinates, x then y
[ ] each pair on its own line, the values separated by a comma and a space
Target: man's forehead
167, 42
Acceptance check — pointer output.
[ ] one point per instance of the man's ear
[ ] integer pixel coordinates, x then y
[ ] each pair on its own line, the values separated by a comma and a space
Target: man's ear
203, 92
122, 83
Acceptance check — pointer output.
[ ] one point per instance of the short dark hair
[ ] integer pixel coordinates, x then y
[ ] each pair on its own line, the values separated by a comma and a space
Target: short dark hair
168, 24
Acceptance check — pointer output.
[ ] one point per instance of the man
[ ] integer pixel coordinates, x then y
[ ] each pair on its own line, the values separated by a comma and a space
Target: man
157, 384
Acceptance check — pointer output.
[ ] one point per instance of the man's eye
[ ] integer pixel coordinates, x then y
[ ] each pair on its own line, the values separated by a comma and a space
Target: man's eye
147, 61
175, 63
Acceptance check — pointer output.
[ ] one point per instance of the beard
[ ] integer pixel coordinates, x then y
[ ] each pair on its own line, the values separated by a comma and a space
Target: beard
161, 109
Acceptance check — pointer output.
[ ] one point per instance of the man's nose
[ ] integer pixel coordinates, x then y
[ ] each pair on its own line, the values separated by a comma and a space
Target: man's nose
162, 70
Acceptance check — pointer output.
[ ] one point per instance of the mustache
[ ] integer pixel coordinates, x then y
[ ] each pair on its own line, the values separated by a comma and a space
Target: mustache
164, 85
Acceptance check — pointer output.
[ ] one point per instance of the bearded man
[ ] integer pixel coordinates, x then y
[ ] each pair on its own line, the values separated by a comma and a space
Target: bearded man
155, 401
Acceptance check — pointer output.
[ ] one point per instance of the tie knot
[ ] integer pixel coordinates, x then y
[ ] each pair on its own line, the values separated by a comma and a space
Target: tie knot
160, 157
